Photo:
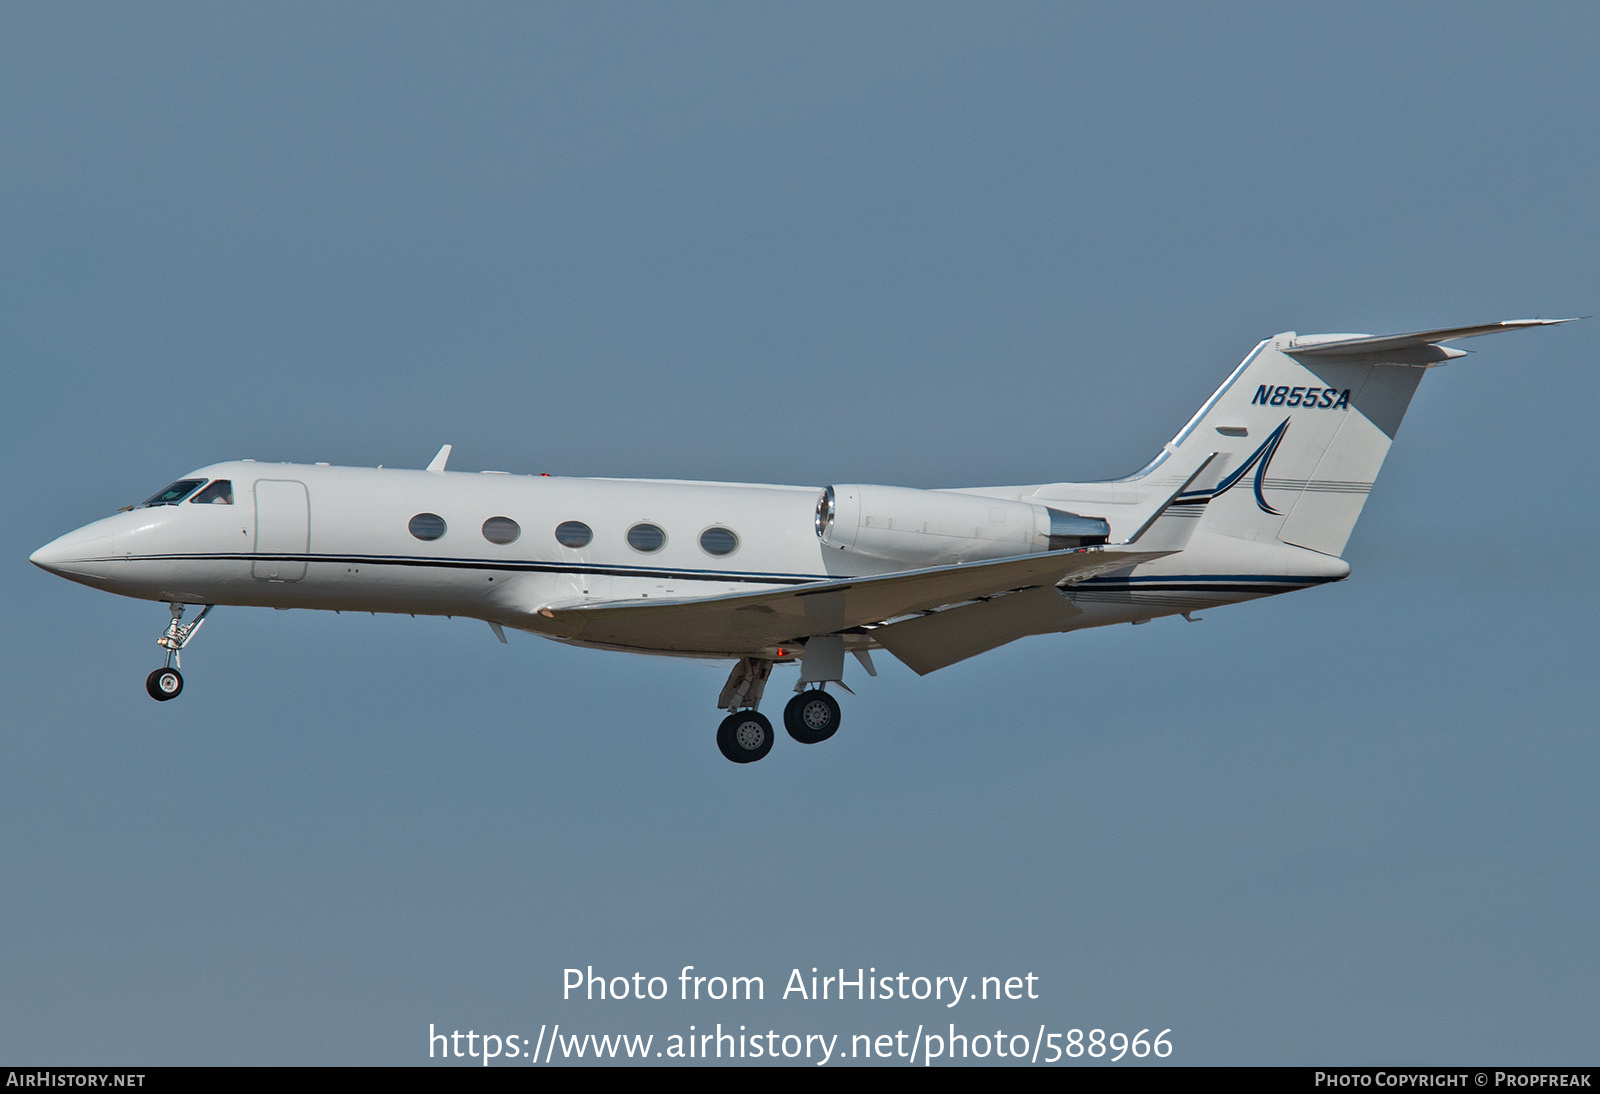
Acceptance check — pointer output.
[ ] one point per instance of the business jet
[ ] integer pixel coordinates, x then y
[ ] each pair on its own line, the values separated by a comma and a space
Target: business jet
1255, 496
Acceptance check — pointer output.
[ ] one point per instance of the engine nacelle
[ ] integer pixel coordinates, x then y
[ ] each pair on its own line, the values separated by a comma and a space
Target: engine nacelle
939, 527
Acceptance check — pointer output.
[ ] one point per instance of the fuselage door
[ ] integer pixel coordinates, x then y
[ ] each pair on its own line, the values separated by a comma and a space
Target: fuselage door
283, 530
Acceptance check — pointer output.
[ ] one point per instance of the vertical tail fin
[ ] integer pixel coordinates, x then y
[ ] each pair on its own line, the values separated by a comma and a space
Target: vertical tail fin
1301, 429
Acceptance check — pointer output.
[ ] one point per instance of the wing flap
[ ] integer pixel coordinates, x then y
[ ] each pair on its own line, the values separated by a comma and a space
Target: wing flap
929, 642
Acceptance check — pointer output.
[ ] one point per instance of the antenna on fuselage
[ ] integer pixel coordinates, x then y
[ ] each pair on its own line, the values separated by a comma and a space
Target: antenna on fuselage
440, 460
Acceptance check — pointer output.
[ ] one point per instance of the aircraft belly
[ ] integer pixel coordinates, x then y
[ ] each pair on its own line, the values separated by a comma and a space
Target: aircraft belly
204, 582
1103, 607
711, 637
342, 585
419, 590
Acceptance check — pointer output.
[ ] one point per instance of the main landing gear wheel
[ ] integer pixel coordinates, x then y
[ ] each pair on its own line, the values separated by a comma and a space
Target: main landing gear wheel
164, 684
745, 736
811, 717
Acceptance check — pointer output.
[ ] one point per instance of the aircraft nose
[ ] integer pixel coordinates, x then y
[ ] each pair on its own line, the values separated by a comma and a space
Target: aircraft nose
69, 555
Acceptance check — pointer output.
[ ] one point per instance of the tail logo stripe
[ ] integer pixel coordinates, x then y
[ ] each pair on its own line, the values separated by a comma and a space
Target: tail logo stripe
1260, 459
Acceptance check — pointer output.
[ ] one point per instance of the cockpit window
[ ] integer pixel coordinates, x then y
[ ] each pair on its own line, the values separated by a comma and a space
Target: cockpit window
219, 492
173, 494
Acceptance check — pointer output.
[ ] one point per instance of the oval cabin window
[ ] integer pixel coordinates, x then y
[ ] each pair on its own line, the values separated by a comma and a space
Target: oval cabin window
427, 526
719, 541
646, 538
501, 530
573, 533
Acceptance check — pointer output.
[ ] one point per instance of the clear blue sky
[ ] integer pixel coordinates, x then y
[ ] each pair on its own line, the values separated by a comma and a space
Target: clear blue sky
922, 244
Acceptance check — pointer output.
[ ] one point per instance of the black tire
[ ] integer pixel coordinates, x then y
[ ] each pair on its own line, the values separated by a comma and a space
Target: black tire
745, 736
811, 717
164, 684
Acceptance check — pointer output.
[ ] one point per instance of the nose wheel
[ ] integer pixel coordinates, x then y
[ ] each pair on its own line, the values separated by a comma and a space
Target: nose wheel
166, 683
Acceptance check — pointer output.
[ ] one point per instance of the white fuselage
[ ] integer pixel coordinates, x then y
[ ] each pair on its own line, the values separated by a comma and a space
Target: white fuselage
339, 538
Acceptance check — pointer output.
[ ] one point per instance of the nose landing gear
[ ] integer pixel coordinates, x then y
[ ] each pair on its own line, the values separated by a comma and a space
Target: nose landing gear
166, 683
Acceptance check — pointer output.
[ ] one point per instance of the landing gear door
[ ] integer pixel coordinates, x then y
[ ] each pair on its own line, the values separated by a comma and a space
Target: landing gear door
283, 530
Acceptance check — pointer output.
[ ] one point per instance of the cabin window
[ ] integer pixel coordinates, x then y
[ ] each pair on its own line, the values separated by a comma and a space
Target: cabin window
573, 533
427, 526
719, 541
173, 494
219, 492
501, 530
646, 538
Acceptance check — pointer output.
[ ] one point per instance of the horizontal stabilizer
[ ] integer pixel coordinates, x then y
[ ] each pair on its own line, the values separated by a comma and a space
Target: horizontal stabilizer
1367, 345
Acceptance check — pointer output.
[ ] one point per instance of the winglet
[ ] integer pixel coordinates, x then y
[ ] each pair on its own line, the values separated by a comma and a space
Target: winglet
440, 460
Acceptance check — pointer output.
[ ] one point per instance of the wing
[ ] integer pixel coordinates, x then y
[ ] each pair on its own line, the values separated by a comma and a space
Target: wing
931, 640
746, 623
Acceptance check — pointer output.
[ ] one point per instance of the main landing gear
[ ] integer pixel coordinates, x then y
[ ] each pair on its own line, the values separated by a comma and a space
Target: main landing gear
166, 683
746, 735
